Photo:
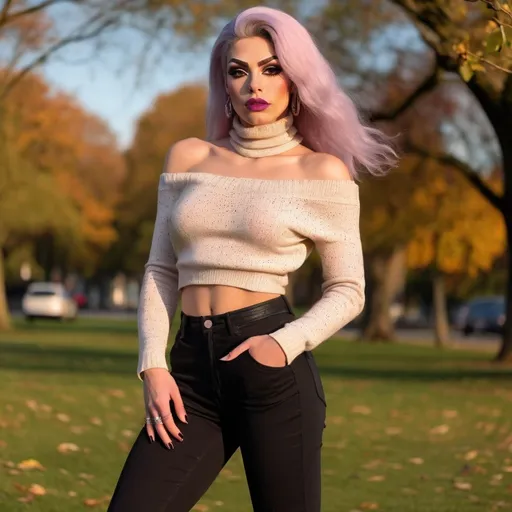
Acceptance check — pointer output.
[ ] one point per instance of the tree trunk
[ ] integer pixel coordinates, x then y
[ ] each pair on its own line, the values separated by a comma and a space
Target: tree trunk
441, 326
385, 277
505, 352
5, 317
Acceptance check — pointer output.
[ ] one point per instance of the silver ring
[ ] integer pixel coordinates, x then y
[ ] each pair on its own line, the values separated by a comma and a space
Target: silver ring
157, 420
149, 420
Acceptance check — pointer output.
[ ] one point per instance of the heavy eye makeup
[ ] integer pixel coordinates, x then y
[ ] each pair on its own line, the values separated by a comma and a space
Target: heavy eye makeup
272, 70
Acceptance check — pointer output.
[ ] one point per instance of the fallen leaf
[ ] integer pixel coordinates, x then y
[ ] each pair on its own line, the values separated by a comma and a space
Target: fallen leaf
416, 460
63, 417
507, 469
27, 499
361, 409
393, 431
462, 486
29, 464
395, 465
45, 408
96, 421
450, 413
372, 464
93, 502
85, 476
72, 494
77, 429
32, 404
37, 490
219, 503
369, 505
376, 478
14, 472
67, 448
440, 429
471, 455
409, 491
118, 393
201, 508
128, 433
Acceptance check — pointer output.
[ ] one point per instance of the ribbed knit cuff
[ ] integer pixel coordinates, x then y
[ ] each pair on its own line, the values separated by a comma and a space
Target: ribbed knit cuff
149, 360
292, 341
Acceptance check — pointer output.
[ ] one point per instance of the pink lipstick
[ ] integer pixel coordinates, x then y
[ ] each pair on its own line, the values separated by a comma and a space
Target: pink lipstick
257, 104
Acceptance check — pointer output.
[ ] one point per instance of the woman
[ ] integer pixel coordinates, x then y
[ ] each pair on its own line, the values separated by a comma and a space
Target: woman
236, 214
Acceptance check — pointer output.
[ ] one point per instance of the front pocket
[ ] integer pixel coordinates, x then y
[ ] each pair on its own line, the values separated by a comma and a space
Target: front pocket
316, 376
261, 365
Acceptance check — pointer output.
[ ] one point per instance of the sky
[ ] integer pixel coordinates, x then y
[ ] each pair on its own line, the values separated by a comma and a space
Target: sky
108, 87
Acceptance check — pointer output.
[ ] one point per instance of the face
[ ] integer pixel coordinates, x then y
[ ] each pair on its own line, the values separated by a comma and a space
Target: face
256, 83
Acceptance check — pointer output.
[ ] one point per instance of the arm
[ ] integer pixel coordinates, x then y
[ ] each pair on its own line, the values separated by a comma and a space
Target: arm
334, 229
159, 292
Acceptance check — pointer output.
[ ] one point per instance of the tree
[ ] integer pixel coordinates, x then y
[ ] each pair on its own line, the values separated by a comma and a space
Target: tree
61, 169
460, 235
173, 116
464, 41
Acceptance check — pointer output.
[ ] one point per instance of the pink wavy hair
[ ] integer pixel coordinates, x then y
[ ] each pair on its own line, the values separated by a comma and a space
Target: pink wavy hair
328, 120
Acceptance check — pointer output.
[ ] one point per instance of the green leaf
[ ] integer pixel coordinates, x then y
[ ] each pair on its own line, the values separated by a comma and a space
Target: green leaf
476, 66
465, 71
495, 41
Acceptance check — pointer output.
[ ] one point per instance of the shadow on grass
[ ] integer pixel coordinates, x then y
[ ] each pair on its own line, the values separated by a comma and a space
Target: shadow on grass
82, 359
78, 326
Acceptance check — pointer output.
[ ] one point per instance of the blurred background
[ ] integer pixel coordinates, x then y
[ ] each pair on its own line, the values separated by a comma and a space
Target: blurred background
92, 95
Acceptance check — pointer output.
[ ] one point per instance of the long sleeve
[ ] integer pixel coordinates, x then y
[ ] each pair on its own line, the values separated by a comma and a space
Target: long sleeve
334, 229
159, 292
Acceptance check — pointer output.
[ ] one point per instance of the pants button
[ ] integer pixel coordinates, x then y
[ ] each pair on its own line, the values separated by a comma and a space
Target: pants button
208, 323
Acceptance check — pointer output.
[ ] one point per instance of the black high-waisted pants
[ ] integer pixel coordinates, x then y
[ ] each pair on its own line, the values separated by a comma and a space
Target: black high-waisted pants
275, 415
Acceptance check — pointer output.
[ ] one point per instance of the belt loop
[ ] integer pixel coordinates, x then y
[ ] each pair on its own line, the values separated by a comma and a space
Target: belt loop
228, 324
288, 305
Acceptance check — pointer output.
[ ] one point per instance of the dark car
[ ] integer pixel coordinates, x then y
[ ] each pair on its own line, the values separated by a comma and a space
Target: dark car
485, 314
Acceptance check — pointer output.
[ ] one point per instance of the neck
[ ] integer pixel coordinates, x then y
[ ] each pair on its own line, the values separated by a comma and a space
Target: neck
264, 140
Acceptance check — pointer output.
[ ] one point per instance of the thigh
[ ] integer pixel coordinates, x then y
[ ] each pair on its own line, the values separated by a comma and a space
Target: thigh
281, 435
160, 480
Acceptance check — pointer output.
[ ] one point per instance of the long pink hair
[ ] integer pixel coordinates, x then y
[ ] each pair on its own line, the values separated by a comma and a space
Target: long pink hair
328, 120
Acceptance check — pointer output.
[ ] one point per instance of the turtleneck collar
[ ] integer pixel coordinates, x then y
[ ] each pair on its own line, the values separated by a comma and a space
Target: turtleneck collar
264, 140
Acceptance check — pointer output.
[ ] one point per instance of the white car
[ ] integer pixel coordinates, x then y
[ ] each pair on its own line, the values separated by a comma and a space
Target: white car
49, 300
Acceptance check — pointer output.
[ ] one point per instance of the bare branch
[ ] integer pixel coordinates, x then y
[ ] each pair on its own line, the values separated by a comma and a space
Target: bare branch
497, 201
5, 9
63, 42
4, 19
489, 62
425, 87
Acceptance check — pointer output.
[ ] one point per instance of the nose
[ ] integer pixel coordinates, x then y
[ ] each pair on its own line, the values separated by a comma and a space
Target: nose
254, 82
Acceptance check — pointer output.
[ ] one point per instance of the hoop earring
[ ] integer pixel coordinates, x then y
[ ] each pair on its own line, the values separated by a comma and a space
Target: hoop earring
228, 108
295, 104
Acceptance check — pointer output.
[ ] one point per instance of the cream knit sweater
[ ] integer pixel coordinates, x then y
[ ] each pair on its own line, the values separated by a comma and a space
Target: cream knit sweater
250, 233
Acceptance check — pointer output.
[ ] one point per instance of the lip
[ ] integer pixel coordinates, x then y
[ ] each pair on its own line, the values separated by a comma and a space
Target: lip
257, 104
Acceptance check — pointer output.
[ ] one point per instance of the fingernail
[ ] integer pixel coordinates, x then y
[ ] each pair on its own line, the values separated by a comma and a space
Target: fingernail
170, 445
180, 435
186, 419
151, 439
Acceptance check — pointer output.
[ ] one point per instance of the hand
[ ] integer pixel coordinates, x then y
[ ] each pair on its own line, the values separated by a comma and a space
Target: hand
159, 389
264, 349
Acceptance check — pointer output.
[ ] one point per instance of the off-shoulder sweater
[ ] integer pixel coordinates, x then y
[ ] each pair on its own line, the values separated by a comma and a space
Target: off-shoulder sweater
250, 233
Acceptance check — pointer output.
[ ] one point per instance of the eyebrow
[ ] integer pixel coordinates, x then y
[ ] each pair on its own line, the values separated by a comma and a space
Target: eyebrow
260, 63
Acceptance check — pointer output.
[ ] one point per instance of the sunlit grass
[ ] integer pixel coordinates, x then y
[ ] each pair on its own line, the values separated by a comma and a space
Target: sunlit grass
409, 428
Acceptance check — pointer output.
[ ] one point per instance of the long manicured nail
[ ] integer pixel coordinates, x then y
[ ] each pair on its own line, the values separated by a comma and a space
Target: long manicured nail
186, 419
151, 439
170, 445
180, 435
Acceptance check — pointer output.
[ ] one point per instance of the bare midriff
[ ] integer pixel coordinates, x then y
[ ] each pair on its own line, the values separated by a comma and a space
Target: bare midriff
204, 300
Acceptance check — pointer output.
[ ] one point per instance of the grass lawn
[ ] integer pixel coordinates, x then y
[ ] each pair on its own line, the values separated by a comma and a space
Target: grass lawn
409, 428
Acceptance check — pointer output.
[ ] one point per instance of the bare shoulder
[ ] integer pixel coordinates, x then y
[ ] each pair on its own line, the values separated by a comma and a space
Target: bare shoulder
186, 153
324, 166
